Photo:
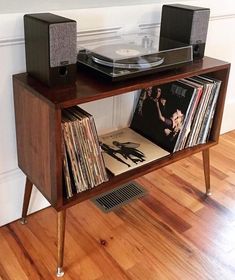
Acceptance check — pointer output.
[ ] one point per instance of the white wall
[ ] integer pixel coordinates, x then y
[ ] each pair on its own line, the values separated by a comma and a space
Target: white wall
37, 6
99, 21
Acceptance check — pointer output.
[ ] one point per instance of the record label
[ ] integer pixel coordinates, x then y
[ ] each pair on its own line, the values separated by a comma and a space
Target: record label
127, 52
119, 51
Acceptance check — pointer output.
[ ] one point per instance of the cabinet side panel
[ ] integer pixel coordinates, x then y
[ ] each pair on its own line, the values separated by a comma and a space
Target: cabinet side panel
35, 137
56, 157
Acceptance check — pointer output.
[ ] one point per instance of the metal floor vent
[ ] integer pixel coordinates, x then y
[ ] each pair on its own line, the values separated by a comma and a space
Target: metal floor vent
119, 196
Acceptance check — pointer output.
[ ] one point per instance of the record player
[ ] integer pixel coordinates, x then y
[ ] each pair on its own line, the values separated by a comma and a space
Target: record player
131, 55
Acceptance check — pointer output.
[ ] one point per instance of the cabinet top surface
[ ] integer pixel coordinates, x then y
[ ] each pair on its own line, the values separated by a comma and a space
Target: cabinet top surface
90, 87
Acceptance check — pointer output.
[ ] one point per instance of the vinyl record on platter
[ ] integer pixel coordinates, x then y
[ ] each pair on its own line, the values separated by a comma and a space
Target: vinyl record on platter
132, 63
125, 56
120, 51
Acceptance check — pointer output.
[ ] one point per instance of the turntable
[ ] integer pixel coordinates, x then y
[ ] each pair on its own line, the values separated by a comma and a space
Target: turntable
131, 55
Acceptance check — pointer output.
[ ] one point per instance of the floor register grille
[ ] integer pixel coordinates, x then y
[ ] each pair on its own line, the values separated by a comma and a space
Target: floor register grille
119, 196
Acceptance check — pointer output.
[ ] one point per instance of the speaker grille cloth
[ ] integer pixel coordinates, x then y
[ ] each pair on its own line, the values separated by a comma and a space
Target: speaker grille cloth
63, 43
199, 26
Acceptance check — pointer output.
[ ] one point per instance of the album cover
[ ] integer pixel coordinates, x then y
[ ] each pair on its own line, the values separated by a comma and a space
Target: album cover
161, 113
188, 127
125, 149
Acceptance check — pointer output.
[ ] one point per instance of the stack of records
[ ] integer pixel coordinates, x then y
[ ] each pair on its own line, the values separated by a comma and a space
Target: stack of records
204, 113
179, 114
83, 163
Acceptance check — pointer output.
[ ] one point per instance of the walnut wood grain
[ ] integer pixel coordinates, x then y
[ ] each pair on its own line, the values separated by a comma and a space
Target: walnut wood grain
90, 87
27, 195
61, 219
206, 167
38, 129
37, 136
46, 171
134, 173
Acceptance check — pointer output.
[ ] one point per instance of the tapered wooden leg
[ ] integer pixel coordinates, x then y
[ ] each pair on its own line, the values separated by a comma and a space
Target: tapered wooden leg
61, 234
206, 165
27, 194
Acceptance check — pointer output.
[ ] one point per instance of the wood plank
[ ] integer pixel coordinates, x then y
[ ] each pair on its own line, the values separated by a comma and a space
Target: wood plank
92, 87
36, 133
10, 260
133, 174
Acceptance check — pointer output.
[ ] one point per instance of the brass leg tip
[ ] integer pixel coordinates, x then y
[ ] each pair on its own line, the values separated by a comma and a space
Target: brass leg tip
60, 272
209, 193
23, 221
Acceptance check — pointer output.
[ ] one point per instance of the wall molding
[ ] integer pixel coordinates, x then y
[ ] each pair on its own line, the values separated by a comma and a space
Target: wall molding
103, 32
100, 31
97, 33
11, 41
222, 17
147, 26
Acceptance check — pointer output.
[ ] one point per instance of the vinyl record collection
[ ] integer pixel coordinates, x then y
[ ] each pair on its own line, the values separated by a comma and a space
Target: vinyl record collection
83, 165
174, 116
179, 114
202, 113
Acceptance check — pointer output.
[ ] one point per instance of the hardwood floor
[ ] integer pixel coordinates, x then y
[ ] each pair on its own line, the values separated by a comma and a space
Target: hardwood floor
173, 233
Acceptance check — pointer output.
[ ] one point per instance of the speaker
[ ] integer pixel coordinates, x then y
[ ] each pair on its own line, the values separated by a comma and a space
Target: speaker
51, 48
185, 24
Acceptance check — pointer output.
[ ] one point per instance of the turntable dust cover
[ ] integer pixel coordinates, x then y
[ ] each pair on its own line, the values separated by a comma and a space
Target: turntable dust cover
125, 149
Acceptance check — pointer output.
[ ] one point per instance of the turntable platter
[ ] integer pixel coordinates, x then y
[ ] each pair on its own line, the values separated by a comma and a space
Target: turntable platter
125, 56
132, 63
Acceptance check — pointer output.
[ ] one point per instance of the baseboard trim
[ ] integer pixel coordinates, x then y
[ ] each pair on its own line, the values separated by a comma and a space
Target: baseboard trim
12, 185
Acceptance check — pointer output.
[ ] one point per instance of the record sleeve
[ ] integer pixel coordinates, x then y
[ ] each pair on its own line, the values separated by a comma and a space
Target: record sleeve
125, 149
161, 113
82, 162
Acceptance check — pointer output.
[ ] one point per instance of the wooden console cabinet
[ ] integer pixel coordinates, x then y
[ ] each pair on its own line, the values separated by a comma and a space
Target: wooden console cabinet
38, 131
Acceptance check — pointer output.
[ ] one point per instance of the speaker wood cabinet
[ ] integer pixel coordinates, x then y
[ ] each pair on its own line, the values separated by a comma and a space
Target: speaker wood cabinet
39, 137
190, 29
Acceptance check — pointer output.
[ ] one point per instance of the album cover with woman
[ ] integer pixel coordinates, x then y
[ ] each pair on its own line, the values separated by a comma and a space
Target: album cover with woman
161, 112
125, 149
